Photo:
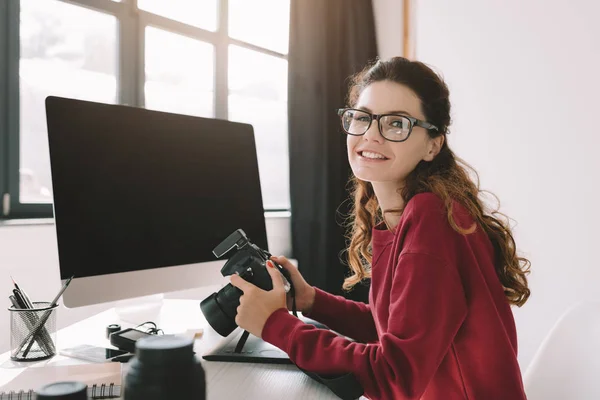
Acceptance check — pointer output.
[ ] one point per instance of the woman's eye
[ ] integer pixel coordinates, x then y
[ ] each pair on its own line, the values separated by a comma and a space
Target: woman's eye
399, 124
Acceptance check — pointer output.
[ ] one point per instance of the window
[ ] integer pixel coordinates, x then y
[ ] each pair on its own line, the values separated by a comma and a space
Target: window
65, 51
263, 23
210, 58
258, 95
179, 73
200, 13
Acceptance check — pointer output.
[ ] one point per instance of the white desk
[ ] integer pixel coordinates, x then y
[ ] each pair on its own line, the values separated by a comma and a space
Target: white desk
225, 380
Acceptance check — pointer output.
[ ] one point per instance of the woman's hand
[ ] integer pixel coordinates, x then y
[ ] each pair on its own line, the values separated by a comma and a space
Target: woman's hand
305, 293
257, 305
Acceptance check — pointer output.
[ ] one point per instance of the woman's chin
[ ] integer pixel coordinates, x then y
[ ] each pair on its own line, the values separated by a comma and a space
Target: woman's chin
367, 176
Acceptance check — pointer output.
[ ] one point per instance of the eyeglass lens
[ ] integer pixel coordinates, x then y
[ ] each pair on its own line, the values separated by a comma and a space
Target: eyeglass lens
392, 127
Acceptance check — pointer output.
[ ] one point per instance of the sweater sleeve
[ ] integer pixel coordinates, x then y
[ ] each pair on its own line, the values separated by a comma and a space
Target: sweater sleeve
429, 307
349, 318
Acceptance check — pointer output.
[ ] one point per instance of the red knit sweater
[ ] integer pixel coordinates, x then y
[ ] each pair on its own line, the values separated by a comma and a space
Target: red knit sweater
438, 325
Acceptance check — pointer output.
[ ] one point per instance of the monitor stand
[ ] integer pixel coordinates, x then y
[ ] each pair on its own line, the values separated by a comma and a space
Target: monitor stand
141, 309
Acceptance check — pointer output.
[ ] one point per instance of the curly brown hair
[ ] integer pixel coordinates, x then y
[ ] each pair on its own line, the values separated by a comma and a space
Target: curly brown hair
446, 175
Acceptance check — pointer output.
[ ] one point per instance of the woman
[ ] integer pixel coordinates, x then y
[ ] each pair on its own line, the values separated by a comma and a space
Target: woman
443, 269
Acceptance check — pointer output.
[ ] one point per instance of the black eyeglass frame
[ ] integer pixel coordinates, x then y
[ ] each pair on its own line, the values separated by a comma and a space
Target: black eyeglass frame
413, 122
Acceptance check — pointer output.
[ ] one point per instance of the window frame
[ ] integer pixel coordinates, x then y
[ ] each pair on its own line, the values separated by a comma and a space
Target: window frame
131, 25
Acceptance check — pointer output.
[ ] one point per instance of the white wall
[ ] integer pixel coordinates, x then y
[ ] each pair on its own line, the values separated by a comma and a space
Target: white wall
29, 253
388, 27
524, 82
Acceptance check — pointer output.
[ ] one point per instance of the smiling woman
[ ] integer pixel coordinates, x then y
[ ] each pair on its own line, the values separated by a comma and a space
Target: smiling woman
444, 271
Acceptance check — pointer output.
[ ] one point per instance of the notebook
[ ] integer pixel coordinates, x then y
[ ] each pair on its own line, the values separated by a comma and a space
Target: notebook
103, 380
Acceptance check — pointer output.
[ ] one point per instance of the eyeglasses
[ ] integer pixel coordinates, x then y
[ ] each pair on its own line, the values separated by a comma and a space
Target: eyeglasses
393, 127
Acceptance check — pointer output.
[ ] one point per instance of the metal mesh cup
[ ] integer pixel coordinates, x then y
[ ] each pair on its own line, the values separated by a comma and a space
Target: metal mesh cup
33, 332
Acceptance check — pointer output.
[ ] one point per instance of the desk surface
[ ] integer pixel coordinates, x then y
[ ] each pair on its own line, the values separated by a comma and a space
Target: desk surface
225, 380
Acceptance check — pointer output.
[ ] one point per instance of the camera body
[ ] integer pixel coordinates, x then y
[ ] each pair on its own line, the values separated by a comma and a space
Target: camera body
249, 262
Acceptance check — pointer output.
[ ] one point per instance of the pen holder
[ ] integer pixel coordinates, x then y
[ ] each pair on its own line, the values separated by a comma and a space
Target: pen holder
33, 332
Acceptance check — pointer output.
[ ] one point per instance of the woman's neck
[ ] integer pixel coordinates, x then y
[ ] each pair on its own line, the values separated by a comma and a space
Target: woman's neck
389, 199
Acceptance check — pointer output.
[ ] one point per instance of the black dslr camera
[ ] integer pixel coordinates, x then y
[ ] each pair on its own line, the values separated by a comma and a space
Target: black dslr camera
249, 262
220, 308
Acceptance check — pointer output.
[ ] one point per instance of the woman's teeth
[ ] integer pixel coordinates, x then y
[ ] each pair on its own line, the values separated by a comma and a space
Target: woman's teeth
368, 154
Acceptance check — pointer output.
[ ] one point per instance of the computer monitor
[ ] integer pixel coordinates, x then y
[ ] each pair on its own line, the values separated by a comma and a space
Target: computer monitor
142, 197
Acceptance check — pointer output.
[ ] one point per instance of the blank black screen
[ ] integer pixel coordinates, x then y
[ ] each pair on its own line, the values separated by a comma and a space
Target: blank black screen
136, 189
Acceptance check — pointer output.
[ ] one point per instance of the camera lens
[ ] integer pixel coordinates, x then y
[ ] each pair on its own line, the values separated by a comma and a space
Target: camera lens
63, 391
220, 309
164, 367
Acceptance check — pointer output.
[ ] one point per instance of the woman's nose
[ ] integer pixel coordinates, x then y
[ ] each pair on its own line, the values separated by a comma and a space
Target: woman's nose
372, 134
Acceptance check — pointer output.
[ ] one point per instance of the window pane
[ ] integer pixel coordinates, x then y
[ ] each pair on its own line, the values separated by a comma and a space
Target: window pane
200, 13
258, 96
66, 51
179, 74
264, 23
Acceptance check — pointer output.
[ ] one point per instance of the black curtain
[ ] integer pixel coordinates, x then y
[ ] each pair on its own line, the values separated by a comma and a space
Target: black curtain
329, 41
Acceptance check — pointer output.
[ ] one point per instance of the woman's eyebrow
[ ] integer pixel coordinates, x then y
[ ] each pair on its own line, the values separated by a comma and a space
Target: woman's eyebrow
389, 112
398, 112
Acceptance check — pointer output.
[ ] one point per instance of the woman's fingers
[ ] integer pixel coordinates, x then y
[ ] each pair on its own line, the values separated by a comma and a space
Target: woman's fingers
285, 263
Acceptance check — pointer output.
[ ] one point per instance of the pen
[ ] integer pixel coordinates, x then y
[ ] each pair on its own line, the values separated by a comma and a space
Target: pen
55, 301
23, 294
14, 302
44, 318
20, 301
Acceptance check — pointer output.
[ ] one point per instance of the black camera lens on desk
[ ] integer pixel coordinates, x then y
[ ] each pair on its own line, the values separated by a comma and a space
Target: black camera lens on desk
63, 391
164, 367
249, 262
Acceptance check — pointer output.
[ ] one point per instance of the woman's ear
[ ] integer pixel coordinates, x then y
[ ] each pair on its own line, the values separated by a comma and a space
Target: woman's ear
434, 146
